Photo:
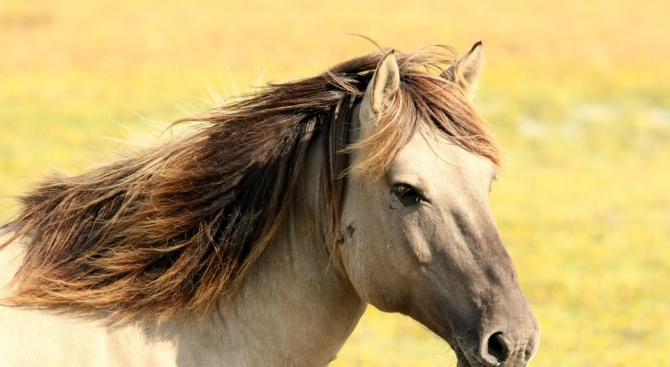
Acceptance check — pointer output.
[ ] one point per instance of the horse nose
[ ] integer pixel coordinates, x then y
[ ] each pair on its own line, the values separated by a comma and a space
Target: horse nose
502, 349
496, 349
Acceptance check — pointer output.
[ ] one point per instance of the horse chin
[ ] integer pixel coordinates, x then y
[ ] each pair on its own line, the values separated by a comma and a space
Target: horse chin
461, 359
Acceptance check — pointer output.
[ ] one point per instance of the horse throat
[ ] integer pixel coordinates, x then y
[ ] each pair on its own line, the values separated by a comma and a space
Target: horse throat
294, 308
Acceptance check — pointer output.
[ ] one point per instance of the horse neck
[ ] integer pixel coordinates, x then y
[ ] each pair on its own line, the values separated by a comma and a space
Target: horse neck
294, 307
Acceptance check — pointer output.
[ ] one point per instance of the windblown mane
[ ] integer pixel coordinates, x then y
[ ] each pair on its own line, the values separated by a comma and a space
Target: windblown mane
174, 229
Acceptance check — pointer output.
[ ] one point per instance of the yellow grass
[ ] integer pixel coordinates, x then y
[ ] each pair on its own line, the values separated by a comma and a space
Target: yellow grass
578, 93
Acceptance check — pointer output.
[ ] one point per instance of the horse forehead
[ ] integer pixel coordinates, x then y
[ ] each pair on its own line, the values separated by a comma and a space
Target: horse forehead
431, 155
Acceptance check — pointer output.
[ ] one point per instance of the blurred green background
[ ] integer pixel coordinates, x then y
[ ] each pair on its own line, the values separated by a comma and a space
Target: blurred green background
578, 93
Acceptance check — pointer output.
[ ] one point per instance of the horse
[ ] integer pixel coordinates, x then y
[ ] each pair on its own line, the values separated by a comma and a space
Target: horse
258, 234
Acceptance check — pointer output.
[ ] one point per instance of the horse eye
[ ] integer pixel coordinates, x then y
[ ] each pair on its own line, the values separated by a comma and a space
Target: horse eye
407, 194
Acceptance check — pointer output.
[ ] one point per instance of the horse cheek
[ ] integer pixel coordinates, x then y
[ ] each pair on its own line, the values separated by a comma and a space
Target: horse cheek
366, 263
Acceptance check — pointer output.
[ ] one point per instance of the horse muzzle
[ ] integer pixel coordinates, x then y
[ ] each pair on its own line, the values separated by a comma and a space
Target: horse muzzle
497, 349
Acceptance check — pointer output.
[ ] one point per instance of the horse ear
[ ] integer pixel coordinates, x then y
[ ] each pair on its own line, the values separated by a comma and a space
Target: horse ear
381, 90
467, 71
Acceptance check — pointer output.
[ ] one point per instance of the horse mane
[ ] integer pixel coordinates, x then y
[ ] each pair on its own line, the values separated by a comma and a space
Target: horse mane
173, 229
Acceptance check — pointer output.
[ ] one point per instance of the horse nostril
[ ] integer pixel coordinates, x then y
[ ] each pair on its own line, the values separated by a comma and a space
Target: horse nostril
497, 348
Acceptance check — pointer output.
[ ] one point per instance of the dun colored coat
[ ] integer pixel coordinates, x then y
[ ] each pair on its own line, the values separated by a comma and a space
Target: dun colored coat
258, 237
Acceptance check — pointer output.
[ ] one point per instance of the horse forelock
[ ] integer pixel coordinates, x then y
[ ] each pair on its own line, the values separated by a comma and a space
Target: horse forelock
429, 99
174, 229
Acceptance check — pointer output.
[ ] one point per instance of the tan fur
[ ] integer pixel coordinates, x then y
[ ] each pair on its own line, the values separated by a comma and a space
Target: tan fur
174, 229
259, 238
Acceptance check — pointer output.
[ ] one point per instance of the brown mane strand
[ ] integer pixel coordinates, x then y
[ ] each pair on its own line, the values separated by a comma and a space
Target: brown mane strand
174, 229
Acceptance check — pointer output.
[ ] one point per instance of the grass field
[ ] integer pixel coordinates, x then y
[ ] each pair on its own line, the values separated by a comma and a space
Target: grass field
578, 94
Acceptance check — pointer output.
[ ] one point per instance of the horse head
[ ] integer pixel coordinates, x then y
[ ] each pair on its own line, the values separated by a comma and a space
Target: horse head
420, 237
